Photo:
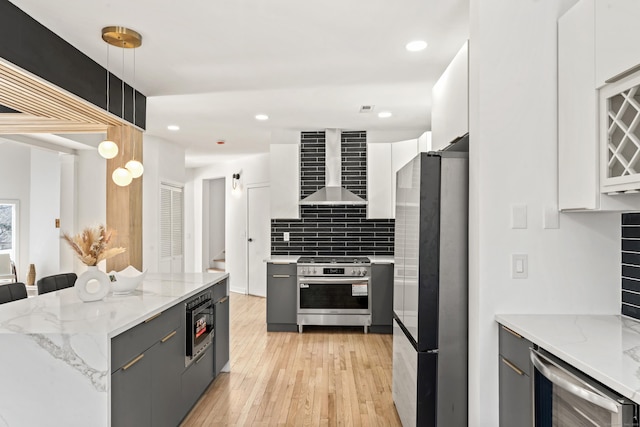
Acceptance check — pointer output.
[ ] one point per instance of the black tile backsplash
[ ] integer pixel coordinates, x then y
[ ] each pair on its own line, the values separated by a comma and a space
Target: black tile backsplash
631, 264
340, 230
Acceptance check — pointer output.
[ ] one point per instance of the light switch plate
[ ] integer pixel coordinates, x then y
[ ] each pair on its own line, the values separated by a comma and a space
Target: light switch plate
286, 236
518, 216
519, 266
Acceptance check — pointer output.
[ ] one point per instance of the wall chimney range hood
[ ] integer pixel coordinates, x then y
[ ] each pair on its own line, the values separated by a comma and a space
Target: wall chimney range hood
333, 193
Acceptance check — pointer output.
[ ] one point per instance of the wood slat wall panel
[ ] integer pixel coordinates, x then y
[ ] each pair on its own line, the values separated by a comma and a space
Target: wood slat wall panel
324, 377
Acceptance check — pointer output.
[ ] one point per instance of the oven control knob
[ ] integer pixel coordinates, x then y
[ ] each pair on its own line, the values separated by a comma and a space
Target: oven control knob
314, 270
363, 273
353, 271
304, 271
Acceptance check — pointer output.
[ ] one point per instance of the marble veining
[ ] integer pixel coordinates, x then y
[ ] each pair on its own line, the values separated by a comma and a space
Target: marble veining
56, 349
605, 347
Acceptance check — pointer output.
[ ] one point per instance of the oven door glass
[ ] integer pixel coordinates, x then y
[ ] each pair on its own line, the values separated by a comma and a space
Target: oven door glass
351, 295
566, 397
201, 320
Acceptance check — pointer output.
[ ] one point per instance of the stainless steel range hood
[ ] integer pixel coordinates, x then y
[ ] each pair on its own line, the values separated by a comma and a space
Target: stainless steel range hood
333, 193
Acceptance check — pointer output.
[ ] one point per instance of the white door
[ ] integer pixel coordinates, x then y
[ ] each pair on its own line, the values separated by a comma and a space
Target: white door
171, 229
258, 239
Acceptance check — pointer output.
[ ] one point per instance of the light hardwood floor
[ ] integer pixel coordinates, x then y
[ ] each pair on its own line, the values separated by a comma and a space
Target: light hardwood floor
323, 377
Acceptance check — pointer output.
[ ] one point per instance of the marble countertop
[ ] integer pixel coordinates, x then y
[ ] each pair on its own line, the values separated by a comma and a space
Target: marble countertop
282, 258
381, 259
605, 347
56, 349
63, 312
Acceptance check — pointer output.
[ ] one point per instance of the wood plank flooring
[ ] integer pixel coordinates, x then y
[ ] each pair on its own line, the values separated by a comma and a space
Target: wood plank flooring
323, 377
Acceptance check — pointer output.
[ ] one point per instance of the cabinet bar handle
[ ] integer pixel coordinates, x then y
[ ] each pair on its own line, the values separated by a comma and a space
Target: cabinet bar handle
199, 359
133, 362
168, 337
512, 366
152, 317
223, 300
623, 74
281, 263
280, 276
511, 332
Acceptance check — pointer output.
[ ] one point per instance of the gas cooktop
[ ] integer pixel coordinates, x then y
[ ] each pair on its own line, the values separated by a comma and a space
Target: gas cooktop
334, 260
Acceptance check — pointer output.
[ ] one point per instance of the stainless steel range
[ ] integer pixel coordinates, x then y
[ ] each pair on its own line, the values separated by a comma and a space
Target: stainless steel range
334, 291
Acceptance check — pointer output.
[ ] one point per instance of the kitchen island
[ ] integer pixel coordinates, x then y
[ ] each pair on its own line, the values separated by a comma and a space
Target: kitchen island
56, 351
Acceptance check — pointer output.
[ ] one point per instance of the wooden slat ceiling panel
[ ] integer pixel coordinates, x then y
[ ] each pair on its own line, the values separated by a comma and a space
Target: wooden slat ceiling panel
46, 105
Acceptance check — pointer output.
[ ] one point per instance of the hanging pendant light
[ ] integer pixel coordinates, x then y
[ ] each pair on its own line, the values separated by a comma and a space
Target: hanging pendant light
133, 165
107, 148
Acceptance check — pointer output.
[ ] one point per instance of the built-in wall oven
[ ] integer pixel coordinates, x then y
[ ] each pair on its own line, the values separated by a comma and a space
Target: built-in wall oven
566, 397
334, 291
199, 324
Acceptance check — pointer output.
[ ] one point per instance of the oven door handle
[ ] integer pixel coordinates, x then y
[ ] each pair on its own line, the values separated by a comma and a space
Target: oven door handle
555, 374
324, 280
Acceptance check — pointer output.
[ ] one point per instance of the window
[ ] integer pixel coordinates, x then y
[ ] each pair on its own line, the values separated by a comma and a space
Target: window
9, 228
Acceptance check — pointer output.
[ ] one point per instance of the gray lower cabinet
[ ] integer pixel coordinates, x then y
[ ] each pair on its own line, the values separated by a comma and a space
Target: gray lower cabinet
130, 397
167, 364
381, 283
282, 297
221, 337
196, 378
515, 404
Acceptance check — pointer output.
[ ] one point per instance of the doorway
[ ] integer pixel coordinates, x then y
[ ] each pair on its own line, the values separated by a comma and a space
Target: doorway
258, 238
213, 227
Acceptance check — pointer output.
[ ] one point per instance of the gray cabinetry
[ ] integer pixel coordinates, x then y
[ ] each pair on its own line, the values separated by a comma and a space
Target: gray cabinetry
145, 379
515, 380
282, 300
381, 298
221, 337
196, 378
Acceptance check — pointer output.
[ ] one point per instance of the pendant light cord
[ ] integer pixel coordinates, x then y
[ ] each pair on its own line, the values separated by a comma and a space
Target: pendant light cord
122, 125
133, 88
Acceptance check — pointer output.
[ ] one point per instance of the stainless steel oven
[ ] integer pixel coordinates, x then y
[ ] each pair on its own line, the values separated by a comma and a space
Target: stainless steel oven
566, 397
199, 325
334, 291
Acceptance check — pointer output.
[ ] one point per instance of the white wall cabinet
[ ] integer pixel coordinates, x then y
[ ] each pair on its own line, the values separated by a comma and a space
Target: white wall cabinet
285, 181
450, 108
578, 138
383, 161
616, 29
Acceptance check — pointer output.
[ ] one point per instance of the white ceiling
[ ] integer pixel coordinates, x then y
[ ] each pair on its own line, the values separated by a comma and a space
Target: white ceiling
210, 66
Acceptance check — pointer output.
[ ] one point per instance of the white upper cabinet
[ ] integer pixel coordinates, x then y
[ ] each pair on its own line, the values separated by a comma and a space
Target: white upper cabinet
450, 108
285, 181
383, 161
617, 37
583, 154
577, 110
379, 194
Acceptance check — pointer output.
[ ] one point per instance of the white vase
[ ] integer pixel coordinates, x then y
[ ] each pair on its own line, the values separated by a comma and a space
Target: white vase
92, 275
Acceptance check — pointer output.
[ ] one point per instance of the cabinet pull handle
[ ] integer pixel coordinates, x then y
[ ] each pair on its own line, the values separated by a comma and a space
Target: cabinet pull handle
511, 332
280, 276
152, 317
168, 337
133, 362
223, 300
512, 366
623, 74
199, 359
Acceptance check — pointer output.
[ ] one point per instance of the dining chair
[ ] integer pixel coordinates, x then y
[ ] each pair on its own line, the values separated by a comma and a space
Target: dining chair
7, 269
12, 292
56, 282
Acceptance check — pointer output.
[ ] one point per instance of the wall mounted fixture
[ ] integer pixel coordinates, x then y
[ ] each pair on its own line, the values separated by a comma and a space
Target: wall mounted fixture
235, 183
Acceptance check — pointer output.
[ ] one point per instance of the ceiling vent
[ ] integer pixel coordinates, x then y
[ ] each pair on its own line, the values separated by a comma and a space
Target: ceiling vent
366, 108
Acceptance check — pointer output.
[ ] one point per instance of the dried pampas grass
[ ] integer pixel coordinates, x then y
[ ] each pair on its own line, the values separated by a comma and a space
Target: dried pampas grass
92, 245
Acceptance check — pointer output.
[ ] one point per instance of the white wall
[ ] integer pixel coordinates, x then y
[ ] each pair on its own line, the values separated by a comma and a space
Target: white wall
44, 242
253, 170
68, 203
513, 160
163, 162
15, 179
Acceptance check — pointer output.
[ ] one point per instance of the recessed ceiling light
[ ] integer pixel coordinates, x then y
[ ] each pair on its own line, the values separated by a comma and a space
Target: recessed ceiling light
173, 127
262, 117
384, 114
416, 45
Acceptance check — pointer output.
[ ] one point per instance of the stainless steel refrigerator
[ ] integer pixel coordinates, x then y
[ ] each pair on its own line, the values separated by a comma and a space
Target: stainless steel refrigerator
431, 288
